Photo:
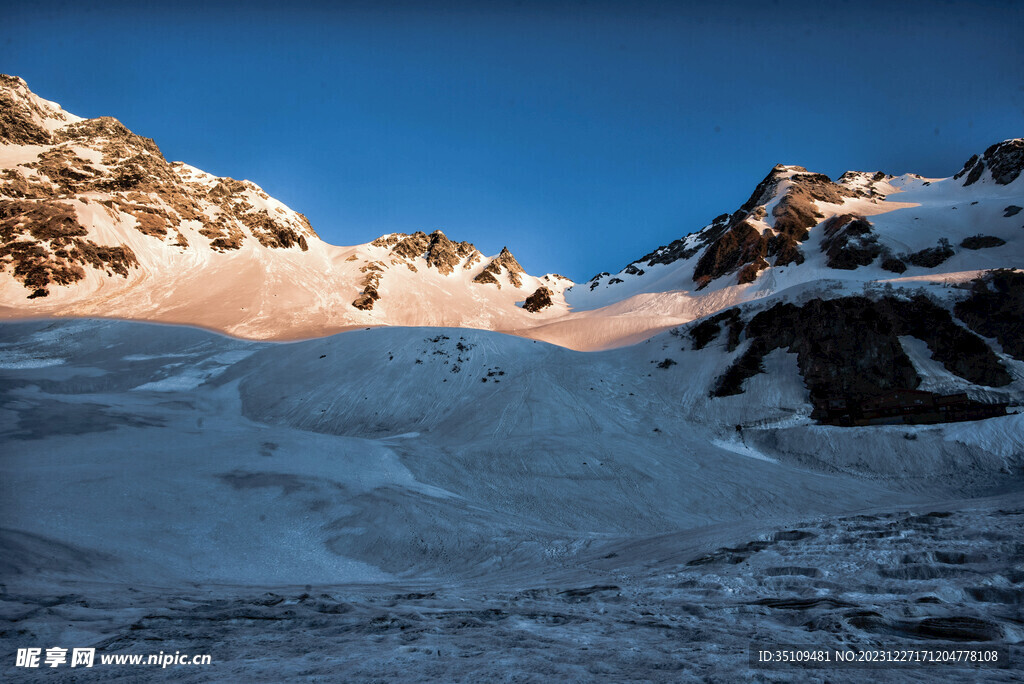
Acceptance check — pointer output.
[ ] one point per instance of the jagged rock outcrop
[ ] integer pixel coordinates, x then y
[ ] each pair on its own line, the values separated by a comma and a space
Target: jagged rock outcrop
1004, 160
504, 261
486, 277
24, 117
684, 248
741, 247
849, 242
369, 294
438, 251
540, 299
866, 184
445, 255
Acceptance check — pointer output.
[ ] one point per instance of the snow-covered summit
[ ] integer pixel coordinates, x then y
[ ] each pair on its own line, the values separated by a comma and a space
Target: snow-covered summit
799, 227
95, 221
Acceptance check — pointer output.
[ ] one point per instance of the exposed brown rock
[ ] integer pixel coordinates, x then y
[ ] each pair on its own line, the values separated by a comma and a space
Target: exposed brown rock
749, 273
445, 255
741, 245
272, 233
373, 270
43, 243
512, 267
411, 246
684, 248
134, 180
389, 240
709, 328
26, 186
540, 299
737, 245
855, 182
223, 236
438, 251
1005, 160
18, 114
364, 301
151, 223
505, 261
486, 277
849, 242
69, 172
508, 261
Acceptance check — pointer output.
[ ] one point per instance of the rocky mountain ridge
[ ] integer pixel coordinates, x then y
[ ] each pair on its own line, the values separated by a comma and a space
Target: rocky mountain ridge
94, 221
769, 230
90, 212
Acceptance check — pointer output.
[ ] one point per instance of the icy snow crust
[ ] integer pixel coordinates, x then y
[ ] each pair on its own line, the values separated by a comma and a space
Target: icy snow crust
422, 503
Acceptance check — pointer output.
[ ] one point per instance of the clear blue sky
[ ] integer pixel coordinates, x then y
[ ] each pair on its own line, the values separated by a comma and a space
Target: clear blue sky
580, 134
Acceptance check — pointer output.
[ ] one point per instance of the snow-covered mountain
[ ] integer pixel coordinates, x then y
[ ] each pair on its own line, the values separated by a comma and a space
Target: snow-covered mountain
798, 227
806, 443
95, 222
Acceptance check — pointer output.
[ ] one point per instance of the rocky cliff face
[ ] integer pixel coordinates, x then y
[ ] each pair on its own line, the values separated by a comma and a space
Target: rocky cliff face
766, 231
539, 300
503, 263
754, 238
24, 118
849, 349
439, 252
1004, 160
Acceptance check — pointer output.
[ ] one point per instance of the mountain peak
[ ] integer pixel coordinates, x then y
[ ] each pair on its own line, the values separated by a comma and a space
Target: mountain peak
25, 118
506, 259
1005, 161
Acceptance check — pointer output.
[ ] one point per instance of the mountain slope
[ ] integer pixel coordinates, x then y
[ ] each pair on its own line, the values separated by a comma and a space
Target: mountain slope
95, 222
798, 227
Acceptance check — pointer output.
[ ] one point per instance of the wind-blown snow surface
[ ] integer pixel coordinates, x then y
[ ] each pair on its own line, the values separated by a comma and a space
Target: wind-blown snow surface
412, 503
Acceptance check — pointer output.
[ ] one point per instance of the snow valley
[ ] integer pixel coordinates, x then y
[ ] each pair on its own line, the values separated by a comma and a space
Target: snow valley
796, 424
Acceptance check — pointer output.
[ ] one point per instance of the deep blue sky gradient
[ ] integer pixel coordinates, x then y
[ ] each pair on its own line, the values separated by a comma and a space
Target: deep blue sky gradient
580, 134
